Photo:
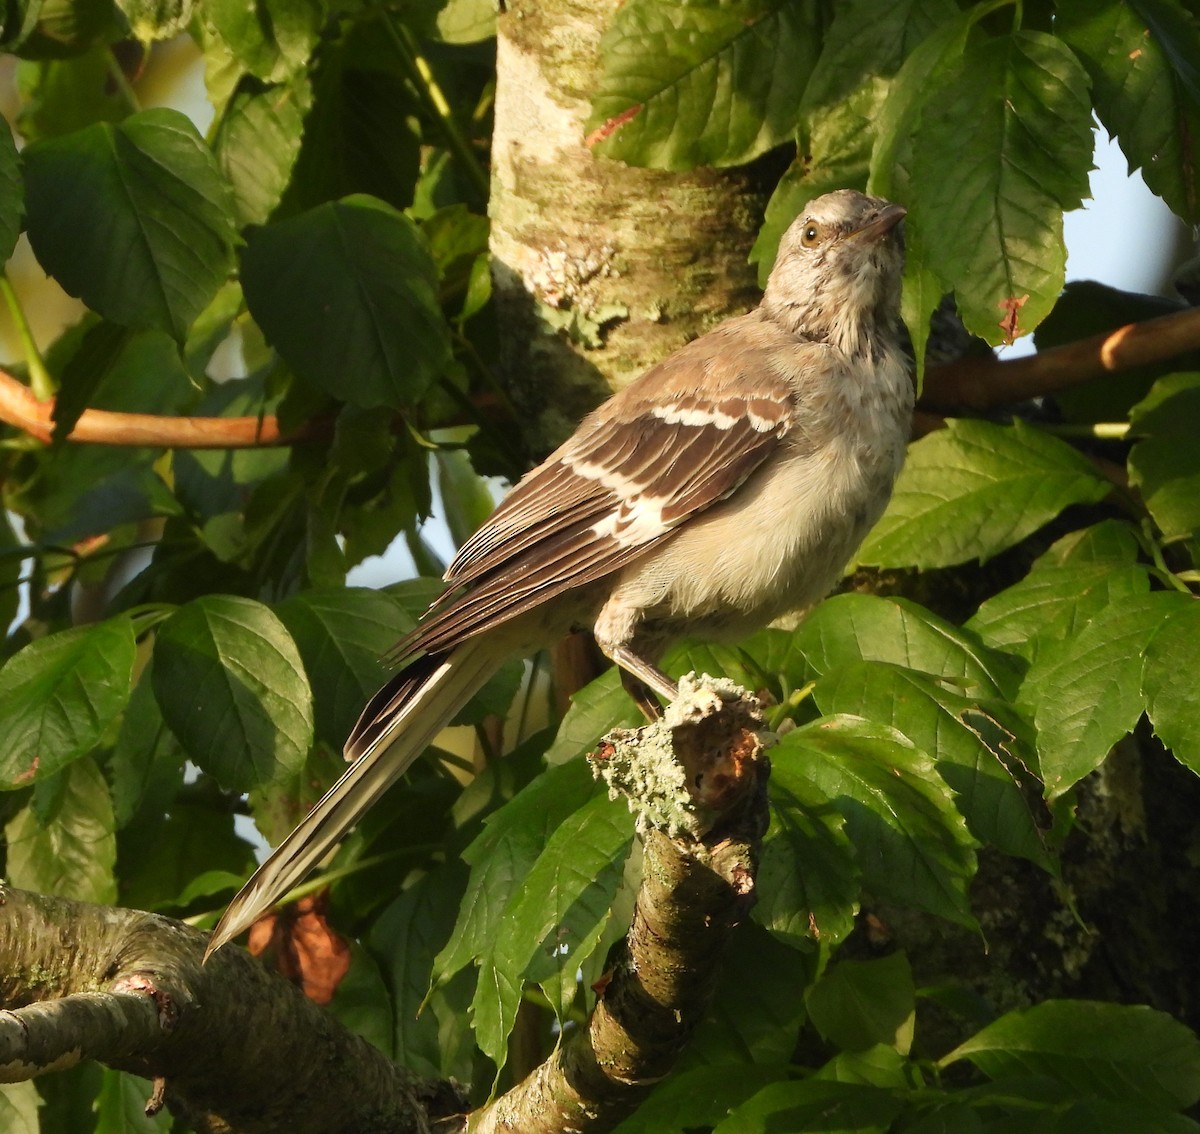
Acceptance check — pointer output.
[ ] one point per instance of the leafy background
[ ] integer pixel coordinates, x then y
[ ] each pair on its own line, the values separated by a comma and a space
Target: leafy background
185, 655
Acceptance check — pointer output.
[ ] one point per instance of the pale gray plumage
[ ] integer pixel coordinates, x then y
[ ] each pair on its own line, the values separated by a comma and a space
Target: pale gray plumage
729, 484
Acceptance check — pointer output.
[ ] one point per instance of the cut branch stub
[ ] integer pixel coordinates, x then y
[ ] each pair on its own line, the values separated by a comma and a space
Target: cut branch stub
682, 772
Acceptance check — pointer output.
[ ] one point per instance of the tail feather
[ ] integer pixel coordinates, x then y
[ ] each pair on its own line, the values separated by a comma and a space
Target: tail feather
398, 724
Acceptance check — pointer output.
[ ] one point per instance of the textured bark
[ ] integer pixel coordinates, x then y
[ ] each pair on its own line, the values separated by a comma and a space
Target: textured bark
695, 889
600, 269
127, 988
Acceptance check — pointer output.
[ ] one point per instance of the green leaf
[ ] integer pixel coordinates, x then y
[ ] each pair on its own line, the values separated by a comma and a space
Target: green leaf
60, 694
347, 294
1113, 1051
697, 1098
973, 489
857, 1005
599, 707
1175, 30
912, 846
1054, 603
808, 881
360, 135
1086, 692
758, 1008
554, 918
503, 854
12, 207
272, 39
170, 861
1003, 147
341, 636
59, 96
1172, 661
851, 628
404, 939
709, 83
146, 766
814, 1105
1165, 465
870, 38
980, 751
1092, 1115
1137, 95
231, 686
257, 141
132, 218
878, 1066
71, 852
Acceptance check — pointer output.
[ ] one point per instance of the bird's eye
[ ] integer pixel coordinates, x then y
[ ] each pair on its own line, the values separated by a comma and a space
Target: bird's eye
810, 234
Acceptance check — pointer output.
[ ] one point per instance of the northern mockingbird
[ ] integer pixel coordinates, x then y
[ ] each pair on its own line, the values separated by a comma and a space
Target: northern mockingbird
728, 484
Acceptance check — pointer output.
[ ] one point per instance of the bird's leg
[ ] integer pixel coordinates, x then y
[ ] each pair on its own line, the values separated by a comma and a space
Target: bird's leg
639, 678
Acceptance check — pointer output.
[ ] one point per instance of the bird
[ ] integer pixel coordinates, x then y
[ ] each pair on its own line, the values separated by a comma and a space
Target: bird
729, 484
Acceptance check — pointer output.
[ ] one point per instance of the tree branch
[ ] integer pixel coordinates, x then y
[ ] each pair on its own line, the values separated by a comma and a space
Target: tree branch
697, 884
19, 407
988, 382
127, 988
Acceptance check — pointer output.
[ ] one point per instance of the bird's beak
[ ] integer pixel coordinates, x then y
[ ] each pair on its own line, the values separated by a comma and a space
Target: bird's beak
888, 218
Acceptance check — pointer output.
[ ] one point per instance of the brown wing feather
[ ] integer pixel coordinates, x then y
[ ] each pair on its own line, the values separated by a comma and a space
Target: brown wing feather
657, 453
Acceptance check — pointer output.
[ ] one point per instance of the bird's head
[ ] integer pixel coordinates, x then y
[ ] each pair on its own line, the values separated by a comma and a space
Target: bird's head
837, 275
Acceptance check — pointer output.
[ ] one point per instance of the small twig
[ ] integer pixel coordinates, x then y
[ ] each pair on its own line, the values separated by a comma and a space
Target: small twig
985, 383
19, 406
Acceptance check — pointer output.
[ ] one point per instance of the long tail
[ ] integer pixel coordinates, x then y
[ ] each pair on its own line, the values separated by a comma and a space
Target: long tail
397, 725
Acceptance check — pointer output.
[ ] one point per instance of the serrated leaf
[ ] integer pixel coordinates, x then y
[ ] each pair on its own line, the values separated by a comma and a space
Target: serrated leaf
1172, 661
851, 628
808, 881
709, 83
597, 708
405, 938
73, 851
341, 636
1137, 95
911, 844
857, 1005
257, 141
814, 1105
758, 1008
132, 218
272, 39
503, 853
1164, 465
1054, 603
1086, 692
60, 694
231, 686
347, 294
976, 741
869, 38
558, 909
973, 489
360, 135
1113, 1051
146, 763
1003, 147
